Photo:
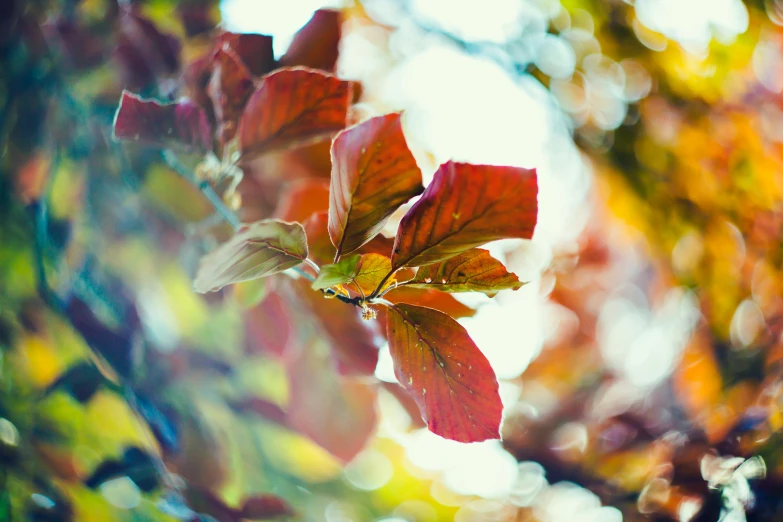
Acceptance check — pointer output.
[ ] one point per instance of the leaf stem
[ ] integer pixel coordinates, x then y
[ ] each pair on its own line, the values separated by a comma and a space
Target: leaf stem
392, 287
302, 273
313, 265
377, 290
228, 215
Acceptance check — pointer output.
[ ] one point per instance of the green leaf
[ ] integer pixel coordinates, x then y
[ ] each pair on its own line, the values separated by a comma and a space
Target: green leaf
257, 250
365, 270
337, 274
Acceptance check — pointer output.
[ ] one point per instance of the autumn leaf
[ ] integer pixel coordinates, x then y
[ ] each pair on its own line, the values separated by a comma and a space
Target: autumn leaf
303, 198
466, 206
229, 88
430, 298
406, 402
472, 271
354, 342
316, 44
337, 413
372, 270
448, 376
261, 407
180, 123
365, 271
321, 248
373, 173
143, 53
268, 326
293, 107
255, 50
257, 250
264, 507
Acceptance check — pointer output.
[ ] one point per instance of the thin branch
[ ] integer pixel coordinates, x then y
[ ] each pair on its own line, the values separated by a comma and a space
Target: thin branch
302, 273
174, 162
41, 235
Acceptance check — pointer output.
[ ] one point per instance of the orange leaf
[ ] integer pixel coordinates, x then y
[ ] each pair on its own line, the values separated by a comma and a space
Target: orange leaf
316, 44
321, 248
472, 271
372, 268
229, 88
465, 206
303, 198
448, 376
292, 107
354, 342
373, 173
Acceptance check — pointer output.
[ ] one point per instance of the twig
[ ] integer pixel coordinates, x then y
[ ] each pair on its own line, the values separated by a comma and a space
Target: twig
40, 236
174, 162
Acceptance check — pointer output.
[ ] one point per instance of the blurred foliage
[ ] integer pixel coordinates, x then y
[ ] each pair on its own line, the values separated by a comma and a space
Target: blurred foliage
126, 396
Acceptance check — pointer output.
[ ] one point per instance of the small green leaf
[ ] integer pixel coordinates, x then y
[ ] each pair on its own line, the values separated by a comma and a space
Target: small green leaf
338, 274
366, 271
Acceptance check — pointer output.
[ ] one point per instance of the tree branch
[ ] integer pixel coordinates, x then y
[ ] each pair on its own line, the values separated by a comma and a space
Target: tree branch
228, 215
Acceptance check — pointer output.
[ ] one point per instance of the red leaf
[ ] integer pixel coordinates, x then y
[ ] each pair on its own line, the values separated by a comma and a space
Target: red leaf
162, 124
195, 78
79, 46
197, 18
373, 173
472, 271
229, 89
321, 249
268, 326
466, 206
264, 408
292, 107
144, 53
448, 376
316, 44
336, 413
407, 403
203, 500
264, 507
430, 298
255, 51
354, 341
303, 198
